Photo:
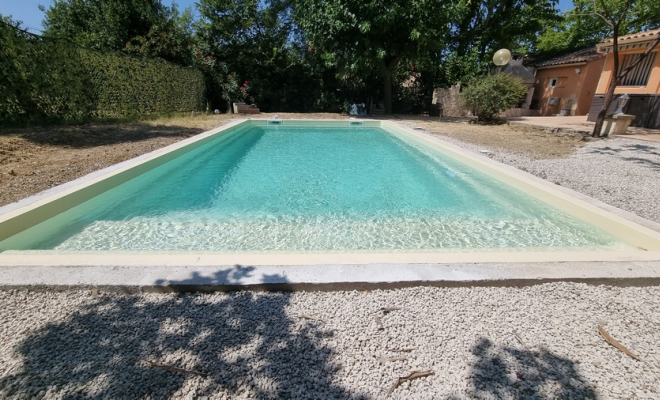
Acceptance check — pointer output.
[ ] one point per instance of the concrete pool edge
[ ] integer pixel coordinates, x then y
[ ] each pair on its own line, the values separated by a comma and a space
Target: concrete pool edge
323, 277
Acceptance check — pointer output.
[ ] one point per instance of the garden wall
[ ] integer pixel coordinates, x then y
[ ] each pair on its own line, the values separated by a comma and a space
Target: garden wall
450, 98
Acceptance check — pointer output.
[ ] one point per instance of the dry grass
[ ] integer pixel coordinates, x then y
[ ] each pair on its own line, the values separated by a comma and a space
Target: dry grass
529, 141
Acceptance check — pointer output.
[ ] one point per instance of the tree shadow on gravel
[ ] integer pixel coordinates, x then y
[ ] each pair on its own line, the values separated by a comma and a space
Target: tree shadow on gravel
508, 372
244, 341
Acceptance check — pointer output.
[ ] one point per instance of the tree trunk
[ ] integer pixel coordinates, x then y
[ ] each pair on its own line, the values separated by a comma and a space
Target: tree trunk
603, 111
390, 67
387, 93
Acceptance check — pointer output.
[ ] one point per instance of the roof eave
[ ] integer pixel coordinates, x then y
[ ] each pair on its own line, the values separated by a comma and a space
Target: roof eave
563, 65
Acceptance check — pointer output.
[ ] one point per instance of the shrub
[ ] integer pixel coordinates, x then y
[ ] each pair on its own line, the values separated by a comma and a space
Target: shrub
488, 96
44, 80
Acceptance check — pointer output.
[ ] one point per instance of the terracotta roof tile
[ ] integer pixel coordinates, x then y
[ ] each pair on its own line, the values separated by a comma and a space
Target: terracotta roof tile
633, 37
580, 56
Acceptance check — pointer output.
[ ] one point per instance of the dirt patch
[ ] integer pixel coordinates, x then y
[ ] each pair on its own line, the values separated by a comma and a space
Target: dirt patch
36, 159
533, 143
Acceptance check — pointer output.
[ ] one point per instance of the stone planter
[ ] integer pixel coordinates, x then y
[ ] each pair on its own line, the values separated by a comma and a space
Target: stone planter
616, 124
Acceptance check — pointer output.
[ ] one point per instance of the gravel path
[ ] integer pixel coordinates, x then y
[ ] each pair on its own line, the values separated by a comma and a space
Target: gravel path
539, 341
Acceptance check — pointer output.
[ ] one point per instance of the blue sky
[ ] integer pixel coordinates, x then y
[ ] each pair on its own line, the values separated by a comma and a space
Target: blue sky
28, 10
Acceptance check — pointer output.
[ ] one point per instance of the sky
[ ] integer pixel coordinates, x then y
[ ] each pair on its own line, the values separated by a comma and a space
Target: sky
28, 10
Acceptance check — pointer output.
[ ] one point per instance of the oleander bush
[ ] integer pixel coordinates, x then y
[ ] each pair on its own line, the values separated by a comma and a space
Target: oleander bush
488, 96
44, 80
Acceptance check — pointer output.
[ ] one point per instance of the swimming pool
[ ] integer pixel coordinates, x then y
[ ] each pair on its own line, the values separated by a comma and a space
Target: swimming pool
315, 187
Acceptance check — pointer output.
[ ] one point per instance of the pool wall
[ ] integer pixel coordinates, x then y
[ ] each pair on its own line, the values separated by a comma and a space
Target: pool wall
29, 212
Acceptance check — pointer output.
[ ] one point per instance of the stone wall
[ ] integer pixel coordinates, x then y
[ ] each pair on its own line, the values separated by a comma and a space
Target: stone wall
452, 104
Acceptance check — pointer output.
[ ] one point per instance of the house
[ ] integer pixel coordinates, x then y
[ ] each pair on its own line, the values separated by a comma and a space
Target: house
642, 84
566, 85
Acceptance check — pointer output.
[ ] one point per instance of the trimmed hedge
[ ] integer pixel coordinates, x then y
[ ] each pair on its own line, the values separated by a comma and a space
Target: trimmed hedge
43, 80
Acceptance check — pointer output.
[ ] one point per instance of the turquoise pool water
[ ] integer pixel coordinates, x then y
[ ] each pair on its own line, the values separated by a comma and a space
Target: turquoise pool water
281, 188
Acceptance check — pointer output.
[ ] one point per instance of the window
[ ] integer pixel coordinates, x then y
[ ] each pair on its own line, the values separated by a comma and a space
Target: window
638, 76
552, 82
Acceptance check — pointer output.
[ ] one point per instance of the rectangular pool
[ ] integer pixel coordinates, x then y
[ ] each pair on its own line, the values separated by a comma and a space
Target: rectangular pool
305, 187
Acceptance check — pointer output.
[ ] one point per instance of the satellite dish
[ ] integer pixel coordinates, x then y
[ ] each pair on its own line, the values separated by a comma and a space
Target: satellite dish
502, 57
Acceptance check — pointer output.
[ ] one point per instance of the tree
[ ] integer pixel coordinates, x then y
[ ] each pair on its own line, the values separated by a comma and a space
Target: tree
373, 37
615, 13
581, 27
479, 28
144, 27
102, 24
253, 38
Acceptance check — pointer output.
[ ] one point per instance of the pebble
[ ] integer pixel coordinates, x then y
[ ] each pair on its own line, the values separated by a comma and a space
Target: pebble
71, 344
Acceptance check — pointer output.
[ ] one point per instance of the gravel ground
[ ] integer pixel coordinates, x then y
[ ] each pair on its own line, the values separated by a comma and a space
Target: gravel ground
531, 342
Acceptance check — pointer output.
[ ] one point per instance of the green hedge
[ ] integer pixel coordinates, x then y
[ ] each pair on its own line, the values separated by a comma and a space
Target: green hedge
44, 80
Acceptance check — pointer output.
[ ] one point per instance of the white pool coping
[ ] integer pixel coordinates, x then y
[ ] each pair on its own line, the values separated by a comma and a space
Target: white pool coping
137, 269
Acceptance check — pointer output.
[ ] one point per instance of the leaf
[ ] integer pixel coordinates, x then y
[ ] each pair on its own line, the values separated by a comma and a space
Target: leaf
409, 377
609, 339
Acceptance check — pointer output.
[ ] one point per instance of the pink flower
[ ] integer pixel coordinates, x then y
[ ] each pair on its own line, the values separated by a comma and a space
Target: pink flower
199, 53
309, 48
412, 66
228, 76
261, 90
208, 57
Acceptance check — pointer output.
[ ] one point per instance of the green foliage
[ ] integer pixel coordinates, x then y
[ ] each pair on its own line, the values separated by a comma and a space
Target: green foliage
130, 87
234, 91
254, 39
44, 80
582, 27
492, 94
359, 38
479, 28
141, 27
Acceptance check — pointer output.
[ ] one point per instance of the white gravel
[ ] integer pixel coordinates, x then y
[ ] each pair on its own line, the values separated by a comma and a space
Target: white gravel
540, 341
531, 342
